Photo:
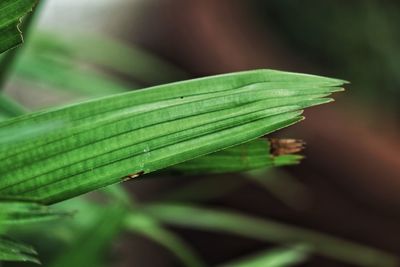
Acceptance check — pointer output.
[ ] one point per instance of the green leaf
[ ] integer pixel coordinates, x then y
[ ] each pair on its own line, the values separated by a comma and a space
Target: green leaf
150, 228
112, 54
21, 213
10, 108
3, 116
278, 257
267, 230
248, 156
120, 137
12, 213
15, 251
253, 155
60, 74
25, 132
89, 248
282, 186
11, 13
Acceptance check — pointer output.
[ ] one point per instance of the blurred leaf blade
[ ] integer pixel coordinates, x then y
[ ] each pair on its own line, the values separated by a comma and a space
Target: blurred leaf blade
277, 257
21, 213
267, 230
65, 76
90, 245
113, 54
9, 107
150, 228
15, 251
12, 213
282, 186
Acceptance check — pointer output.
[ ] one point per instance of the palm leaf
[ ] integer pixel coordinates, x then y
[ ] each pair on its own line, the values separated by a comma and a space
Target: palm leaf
21, 213
119, 137
14, 251
11, 13
248, 156
12, 213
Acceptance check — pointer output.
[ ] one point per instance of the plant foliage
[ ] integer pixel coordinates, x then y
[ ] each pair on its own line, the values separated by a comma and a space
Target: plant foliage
11, 14
120, 137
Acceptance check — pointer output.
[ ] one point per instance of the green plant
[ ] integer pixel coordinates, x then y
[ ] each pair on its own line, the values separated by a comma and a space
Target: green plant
209, 125
12, 12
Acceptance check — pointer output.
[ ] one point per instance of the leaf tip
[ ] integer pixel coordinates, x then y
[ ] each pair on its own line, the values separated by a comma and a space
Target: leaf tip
285, 146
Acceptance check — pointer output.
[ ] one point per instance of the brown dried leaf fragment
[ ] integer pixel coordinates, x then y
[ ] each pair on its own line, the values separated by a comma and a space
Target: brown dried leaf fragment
285, 146
132, 176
